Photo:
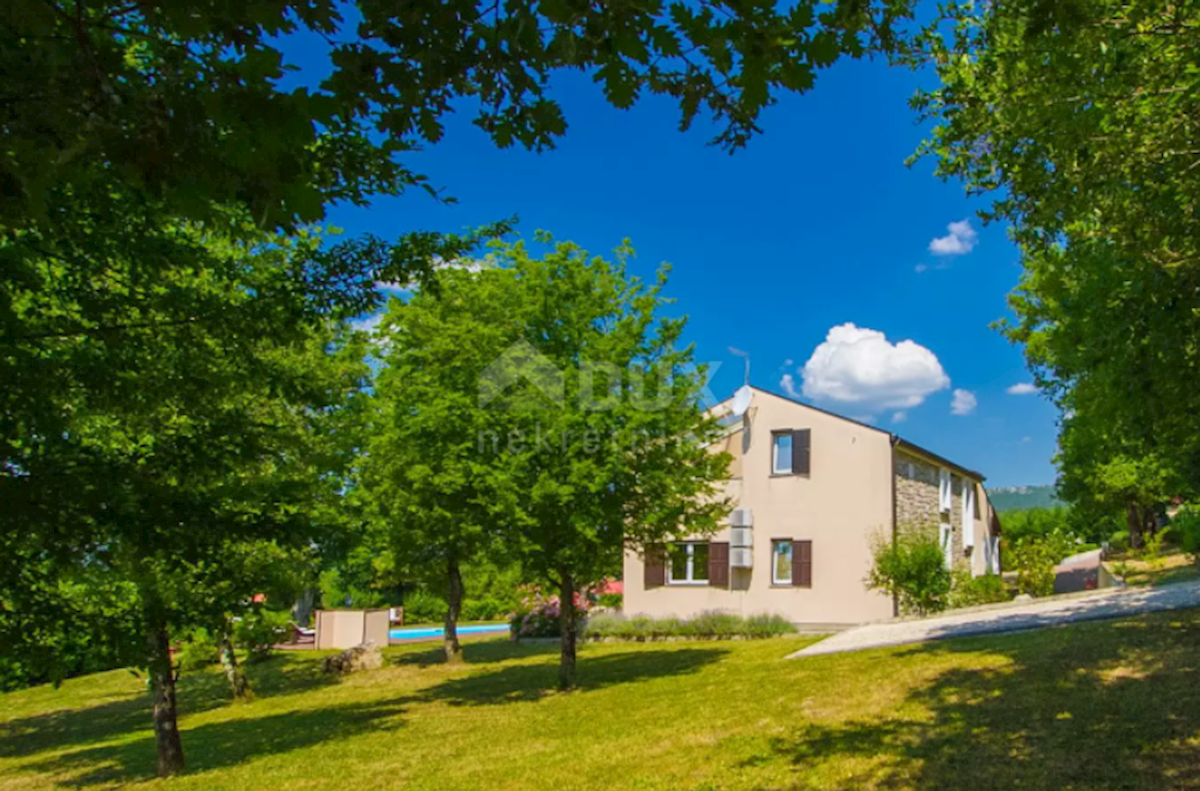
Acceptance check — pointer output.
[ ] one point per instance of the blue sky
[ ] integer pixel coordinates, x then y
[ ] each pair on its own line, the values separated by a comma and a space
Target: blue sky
817, 224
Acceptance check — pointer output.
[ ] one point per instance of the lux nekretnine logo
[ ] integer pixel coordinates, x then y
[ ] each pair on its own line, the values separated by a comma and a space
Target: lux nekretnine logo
521, 361
600, 387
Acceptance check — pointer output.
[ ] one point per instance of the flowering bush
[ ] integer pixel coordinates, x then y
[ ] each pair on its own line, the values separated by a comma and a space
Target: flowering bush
539, 614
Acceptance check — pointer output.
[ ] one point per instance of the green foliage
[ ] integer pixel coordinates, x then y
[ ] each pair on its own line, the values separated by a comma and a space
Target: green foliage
1079, 118
198, 650
485, 609
421, 606
611, 601
260, 629
189, 108
1187, 525
970, 591
340, 588
556, 484
1034, 559
1035, 522
1152, 548
912, 568
705, 625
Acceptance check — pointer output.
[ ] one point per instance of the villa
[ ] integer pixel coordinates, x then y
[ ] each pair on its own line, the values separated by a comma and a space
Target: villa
812, 493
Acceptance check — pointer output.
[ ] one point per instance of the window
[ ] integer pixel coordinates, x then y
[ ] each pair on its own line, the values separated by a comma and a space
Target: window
781, 562
781, 453
689, 564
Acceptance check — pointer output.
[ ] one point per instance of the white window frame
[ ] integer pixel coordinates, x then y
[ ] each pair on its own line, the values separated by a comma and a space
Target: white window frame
691, 565
775, 468
775, 580
946, 539
968, 513
945, 490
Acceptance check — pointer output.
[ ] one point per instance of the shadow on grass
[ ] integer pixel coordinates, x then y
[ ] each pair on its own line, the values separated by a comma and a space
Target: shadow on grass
198, 692
223, 744
215, 745
529, 682
1097, 706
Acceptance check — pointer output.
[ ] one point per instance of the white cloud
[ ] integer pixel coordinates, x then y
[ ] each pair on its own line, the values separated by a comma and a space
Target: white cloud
1026, 439
960, 240
788, 383
856, 365
899, 417
919, 268
1022, 388
963, 402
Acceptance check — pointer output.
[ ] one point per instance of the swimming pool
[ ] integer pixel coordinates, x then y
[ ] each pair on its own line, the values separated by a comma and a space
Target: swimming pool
423, 632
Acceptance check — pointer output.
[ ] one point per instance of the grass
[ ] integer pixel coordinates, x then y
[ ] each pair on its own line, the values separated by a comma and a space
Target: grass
1165, 570
1095, 706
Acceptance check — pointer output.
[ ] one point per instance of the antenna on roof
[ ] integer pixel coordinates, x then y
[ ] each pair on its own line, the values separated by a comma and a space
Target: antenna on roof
745, 355
743, 396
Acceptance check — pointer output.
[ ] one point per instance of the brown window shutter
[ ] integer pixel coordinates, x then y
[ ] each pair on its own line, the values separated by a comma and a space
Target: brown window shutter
718, 564
801, 441
655, 568
802, 564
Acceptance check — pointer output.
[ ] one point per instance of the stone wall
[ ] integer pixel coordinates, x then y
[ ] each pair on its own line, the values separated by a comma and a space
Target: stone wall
916, 494
917, 499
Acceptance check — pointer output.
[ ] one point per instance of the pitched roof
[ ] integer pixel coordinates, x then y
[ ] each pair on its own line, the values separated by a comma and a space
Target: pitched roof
896, 439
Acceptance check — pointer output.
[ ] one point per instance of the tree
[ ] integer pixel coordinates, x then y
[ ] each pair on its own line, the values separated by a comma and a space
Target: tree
187, 105
200, 441
1081, 116
423, 475
598, 436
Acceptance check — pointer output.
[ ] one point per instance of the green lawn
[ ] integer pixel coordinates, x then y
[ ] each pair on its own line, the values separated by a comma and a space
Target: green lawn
1096, 706
1170, 568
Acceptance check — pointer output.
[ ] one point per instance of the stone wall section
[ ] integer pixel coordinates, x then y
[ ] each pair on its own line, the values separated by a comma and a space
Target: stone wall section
917, 499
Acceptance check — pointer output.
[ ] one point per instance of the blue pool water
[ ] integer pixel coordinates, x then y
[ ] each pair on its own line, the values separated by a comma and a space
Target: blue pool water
418, 632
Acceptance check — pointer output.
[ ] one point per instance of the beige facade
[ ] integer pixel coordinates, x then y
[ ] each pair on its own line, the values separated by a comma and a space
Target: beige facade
862, 484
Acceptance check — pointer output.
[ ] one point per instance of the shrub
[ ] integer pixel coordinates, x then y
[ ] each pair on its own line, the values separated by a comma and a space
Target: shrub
486, 609
541, 620
709, 624
913, 569
1152, 547
259, 630
1186, 525
539, 615
1034, 560
1119, 541
610, 601
199, 650
969, 591
421, 606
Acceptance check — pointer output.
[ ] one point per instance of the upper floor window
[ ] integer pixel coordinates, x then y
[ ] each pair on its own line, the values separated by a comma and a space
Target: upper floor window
781, 453
791, 451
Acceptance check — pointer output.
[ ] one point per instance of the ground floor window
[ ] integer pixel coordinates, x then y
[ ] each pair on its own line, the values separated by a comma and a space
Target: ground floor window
781, 562
688, 563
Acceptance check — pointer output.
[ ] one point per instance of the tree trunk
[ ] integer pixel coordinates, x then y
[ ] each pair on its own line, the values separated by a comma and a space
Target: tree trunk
569, 624
233, 671
1134, 518
453, 610
162, 687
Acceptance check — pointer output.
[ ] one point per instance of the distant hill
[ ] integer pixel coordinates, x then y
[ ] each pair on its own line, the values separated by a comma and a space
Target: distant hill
1014, 498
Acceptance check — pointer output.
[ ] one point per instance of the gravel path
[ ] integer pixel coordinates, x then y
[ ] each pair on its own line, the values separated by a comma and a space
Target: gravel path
1112, 603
